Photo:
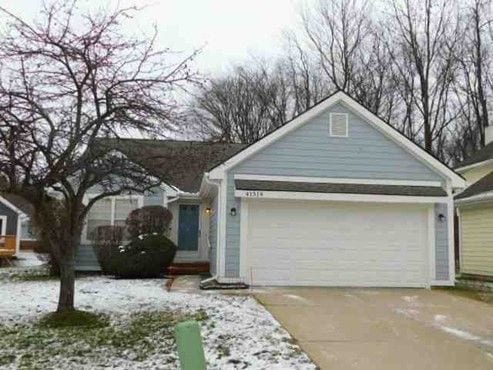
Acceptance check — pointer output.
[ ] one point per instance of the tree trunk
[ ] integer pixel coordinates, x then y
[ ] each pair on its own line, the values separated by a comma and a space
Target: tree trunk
67, 280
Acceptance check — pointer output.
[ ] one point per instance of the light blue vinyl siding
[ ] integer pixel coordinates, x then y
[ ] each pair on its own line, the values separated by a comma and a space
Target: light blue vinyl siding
310, 151
441, 243
213, 235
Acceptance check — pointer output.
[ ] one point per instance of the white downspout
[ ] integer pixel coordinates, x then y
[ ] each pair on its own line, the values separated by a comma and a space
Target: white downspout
217, 185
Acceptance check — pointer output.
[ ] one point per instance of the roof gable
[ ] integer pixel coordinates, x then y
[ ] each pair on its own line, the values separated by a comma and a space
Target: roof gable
311, 151
341, 97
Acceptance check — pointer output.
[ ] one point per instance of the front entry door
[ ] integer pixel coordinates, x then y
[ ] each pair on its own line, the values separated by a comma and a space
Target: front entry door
188, 227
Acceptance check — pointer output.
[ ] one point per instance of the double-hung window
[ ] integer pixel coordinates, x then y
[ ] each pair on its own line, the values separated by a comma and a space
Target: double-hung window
110, 211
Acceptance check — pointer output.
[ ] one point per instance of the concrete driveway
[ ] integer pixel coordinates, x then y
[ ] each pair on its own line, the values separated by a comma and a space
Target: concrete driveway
385, 328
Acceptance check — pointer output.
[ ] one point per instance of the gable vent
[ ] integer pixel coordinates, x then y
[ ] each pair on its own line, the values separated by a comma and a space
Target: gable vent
338, 125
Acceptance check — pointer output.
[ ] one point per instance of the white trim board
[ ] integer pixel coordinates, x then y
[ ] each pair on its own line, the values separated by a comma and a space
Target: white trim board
342, 197
431, 245
336, 180
4, 224
418, 152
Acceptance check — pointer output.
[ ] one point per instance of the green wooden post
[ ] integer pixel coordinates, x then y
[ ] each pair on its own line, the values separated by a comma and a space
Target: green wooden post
189, 343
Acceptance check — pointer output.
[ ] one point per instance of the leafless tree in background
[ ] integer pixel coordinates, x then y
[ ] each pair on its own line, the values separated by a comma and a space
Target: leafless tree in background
304, 75
67, 81
241, 107
426, 34
424, 66
472, 89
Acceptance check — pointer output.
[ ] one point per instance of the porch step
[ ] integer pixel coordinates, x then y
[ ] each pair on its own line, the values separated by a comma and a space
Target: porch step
188, 268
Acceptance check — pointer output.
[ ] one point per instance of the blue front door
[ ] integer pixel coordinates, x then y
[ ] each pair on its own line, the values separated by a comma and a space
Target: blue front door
188, 227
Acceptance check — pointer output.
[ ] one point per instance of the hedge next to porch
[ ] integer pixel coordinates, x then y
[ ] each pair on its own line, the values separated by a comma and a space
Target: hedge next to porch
148, 252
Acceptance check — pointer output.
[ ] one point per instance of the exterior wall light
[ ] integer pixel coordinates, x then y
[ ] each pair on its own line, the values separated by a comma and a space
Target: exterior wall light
232, 212
208, 210
441, 217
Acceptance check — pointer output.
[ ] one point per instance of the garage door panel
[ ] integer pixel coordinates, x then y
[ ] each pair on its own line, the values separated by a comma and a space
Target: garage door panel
329, 243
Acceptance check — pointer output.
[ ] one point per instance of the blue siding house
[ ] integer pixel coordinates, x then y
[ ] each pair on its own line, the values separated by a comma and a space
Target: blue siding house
335, 197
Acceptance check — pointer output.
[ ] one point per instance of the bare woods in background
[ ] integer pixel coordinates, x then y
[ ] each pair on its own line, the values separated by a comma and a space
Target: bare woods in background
424, 66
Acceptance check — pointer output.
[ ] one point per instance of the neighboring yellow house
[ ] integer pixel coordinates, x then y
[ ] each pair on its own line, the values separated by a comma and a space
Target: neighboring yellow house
475, 211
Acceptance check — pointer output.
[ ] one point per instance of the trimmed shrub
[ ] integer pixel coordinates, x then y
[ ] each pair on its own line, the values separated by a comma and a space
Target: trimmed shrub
141, 258
147, 220
148, 253
107, 238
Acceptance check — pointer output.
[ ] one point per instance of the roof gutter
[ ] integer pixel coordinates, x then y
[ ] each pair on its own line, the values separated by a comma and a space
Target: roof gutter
479, 198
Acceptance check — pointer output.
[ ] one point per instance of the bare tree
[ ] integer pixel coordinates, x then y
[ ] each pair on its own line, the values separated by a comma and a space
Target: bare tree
425, 33
345, 38
306, 79
473, 57
68, 83
337, 31
243, 106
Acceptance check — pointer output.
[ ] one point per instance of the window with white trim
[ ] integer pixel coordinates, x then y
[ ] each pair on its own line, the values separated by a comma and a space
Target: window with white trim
338, 125
110, 211
3, 225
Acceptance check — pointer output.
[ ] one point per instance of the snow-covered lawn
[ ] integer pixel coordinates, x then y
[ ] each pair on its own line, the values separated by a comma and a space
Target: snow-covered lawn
238, 333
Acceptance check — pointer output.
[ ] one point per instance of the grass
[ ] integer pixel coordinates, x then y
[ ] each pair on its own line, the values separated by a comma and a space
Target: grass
72, 319
80, 337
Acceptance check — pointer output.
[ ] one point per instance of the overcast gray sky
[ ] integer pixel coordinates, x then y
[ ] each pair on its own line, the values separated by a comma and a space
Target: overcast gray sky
229, 30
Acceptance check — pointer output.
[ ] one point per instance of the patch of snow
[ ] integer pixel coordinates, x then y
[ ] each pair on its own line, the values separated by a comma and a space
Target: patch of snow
297, 297
253, 337
30, 259
460, 333
408, 312
440, 318
410, 299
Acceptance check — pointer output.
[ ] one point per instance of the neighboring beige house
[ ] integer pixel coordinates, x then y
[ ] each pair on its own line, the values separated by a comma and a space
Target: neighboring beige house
475, 211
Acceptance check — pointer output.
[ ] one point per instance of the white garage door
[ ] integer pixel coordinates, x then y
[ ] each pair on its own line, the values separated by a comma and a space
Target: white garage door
336, 244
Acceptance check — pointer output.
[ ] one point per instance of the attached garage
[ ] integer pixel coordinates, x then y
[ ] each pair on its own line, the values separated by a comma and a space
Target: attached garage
335, 197
303, 243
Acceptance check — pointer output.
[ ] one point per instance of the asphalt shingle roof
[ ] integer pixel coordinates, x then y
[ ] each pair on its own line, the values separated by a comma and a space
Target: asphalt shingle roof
19, 202
177, 163
480, 156
483, 185
339, 188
